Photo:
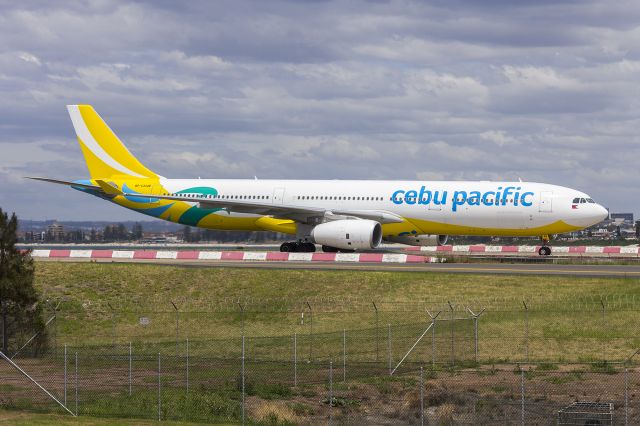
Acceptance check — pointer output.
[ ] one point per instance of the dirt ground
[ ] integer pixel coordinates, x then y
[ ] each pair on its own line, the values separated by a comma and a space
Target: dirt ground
485, 395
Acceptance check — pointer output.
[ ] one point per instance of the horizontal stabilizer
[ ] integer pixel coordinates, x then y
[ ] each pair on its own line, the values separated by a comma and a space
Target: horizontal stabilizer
107, 188
64, 182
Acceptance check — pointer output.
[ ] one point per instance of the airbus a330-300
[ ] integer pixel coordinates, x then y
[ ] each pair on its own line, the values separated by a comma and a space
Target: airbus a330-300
339, 215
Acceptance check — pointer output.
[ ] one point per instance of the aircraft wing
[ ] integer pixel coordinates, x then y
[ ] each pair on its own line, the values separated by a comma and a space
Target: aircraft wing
285, 211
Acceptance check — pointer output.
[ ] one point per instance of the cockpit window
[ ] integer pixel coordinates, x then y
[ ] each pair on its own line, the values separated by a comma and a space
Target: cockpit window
590, 200
576, 200
582, 201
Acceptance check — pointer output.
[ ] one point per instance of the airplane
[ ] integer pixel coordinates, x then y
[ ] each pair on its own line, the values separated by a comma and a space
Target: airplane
339, 215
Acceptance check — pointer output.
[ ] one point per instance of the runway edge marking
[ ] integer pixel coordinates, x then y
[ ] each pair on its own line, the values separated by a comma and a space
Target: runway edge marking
240, 256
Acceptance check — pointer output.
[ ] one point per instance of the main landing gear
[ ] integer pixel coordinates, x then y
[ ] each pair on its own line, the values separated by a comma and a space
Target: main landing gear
545, 250
296, 246
300, 247
329, 249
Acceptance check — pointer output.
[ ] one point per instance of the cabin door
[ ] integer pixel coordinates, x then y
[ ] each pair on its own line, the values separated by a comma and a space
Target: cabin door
545, 202
278, 196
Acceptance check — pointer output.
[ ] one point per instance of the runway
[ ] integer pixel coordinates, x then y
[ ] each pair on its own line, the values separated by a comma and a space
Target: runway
578, 270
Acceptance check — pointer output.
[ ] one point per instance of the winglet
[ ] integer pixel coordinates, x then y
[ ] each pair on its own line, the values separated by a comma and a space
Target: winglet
108, 188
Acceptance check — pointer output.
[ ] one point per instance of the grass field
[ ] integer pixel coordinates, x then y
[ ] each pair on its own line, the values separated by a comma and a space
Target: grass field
131, 286
22, 418
565, 318
568, 320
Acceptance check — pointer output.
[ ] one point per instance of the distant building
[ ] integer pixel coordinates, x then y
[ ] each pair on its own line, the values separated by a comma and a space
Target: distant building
55, 231
622, 217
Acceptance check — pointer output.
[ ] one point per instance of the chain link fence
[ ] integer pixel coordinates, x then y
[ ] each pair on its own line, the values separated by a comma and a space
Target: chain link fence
336, 361
125, 383
483, 331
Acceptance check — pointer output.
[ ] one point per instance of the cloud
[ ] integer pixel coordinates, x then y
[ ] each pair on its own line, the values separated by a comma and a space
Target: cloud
28, 57
543, 90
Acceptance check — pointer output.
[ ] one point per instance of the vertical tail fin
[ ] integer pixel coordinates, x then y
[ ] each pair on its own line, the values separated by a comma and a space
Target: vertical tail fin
104, 153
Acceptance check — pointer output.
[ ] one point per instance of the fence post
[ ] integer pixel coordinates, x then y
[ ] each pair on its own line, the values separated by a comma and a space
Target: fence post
55, 331
522, 395
177, 326
76, 383
344, 355
433, 337
310, 332
65, 374
377, 333
433, 345
421, 396
241, 316
626, 396
453, 353
604, 332
187, 365
330, 392
113, 325
389, 348
295, 359
526, 332
130, 368
475, 333
243, 384
475, 330
159, 394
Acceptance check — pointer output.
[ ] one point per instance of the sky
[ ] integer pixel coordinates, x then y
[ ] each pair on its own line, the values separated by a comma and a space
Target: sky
545, 91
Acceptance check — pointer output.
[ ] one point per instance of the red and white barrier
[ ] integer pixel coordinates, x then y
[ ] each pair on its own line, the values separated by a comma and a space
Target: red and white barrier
271, 256
245, 256
565, 250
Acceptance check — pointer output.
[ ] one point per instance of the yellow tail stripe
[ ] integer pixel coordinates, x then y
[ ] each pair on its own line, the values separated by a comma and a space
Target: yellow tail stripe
105, 137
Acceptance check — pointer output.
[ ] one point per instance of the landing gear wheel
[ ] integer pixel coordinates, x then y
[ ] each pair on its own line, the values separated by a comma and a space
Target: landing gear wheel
288, 247
329, 249
544, 251
307, 247
294, 246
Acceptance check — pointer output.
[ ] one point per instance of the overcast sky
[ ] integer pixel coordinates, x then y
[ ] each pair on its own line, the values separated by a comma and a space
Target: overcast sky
451, 89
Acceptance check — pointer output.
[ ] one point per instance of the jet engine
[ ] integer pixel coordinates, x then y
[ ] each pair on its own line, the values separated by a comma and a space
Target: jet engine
419, 240
348, 234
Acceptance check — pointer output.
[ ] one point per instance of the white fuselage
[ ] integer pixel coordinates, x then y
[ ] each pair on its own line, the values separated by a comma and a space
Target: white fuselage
448, 207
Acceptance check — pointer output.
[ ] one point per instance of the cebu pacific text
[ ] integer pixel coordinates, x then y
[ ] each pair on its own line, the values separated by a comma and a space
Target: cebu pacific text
512, 195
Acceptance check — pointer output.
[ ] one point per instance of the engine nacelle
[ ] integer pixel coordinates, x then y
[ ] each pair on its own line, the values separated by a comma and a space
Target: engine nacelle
348, 234
420, 240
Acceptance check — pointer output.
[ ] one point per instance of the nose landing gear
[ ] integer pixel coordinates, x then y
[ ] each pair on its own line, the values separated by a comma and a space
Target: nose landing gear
545, 250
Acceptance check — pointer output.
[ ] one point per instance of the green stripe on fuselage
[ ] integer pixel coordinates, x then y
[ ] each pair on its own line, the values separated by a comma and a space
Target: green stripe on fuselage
195, 214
